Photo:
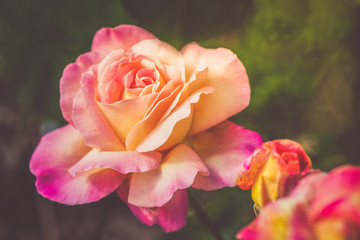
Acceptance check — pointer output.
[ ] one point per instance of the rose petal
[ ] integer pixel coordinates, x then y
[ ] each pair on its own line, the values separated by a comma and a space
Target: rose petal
304, 190
173, 129
120, 37
56, 152
59, 149
293, 154
109, 86
163, 52
283, 219
89, 186
114, 56
143, 128
170, 217
251, 167
334, 229
342, 190
90, 121
165, 92
156, 187
121, 161
227, 75
189, 88
123, 115
70, 81
223, 150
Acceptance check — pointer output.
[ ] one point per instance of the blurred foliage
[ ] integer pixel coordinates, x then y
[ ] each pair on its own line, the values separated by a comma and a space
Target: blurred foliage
302, 58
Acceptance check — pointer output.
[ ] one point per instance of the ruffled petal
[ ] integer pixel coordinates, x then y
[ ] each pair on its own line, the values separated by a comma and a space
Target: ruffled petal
70, 80
56, 152
123, 115
174, 128
170, 217
144, 127
223, 150
227, 75
156, 187
121, 161
120, 37
90, 121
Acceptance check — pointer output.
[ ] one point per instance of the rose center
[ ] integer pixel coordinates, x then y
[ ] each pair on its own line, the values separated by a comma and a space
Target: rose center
129, 77
139, 78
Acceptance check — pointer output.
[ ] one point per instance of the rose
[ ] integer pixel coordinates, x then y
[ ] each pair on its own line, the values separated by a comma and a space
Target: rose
285, 218
273, 170
147, 120
321, 206
335, 210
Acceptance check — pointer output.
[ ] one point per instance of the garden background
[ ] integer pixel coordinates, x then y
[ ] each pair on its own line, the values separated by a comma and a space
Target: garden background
303, 62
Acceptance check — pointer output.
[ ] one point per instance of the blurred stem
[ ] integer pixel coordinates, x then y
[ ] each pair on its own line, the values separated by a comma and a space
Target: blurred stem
203, 217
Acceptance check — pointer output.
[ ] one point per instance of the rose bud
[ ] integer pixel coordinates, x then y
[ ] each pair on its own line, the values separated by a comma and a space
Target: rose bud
273, 170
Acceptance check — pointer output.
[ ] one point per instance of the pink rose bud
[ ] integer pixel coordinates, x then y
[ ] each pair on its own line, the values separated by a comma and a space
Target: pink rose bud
145, 120
273, 170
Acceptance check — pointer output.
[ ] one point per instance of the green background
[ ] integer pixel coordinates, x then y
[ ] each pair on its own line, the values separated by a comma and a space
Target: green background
302, 58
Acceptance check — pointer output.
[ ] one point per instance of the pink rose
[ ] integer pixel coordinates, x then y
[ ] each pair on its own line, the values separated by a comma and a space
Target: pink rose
273, 170
148, 121
335, 210
321, 206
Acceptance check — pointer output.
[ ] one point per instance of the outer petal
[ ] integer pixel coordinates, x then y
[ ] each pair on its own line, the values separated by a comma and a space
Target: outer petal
56, 152
223, 150
251, 166
227, 75
90, 121
156, 187
170, 217
120, 37
70, 80
59, 149
89, 186
121, 161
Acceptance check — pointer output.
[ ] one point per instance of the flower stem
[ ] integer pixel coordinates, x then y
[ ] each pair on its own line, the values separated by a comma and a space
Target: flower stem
203, 217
